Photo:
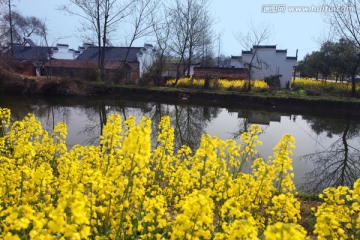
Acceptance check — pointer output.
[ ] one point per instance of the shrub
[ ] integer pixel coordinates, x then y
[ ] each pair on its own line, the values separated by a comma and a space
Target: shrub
273, 81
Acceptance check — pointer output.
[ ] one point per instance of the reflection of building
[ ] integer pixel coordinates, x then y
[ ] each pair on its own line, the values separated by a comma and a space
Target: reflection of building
259, 117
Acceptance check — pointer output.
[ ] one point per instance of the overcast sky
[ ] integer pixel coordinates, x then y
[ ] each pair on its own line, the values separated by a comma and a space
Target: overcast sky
289, 30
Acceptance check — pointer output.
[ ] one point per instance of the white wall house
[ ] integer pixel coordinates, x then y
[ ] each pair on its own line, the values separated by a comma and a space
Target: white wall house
270, 61
62, 51
236, 62
145, 58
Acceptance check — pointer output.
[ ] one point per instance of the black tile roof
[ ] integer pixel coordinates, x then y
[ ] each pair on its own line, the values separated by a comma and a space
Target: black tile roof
291, 58
111, 54
281, 51
62, 45
30, 42
264, 46
246, 52
31, 53
88, 44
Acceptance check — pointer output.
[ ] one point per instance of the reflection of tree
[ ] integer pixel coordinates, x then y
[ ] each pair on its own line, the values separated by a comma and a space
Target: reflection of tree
243, 125
323, 125
96, 116
49, 114
189, 123
339, 165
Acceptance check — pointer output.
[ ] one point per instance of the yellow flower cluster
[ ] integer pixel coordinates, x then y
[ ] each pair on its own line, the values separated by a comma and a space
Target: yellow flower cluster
219, 84
306, 83
125, 189
4, 120
339, 216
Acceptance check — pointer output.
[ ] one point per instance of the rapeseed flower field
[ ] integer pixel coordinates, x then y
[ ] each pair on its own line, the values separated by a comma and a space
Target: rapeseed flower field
222, 84
323, 86
124, 188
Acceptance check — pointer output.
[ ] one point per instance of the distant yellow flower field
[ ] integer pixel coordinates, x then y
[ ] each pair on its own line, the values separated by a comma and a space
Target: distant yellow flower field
305, 83
218, 84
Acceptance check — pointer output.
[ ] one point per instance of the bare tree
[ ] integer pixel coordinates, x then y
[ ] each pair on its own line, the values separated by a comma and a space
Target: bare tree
21, 26
344, 19
99, 17
161, 28
43, 33
179, 20
254, 37
200, 34
191, 29
11, 28
141, 20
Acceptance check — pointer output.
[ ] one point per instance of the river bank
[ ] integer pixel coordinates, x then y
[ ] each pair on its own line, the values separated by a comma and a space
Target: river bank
279, 99
282, 100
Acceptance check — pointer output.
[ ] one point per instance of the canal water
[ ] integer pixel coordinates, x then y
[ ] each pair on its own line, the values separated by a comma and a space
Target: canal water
327, 149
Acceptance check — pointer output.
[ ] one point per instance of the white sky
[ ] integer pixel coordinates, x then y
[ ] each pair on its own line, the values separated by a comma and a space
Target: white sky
290, 30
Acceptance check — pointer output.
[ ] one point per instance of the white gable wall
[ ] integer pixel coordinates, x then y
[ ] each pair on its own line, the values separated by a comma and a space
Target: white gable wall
145, 58
268, 62
234, 62
63, 52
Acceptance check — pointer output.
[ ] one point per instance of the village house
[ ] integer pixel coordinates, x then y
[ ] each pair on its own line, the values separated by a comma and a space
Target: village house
88, 69
62, 51
268, 61
172, 70
30, 55
235, 62
136, 59
60, 60
265, 61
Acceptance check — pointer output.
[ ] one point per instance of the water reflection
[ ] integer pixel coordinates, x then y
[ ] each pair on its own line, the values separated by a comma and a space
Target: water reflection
189, 122
249, 117
327, 150
338, 164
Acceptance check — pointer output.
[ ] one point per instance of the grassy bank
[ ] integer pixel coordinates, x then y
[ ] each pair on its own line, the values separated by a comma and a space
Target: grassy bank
301, 98
281, 99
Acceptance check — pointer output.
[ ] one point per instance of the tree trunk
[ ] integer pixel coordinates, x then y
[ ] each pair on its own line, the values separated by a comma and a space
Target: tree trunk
11, 29
189, 59
346, 154
100, 65
248, 87
178, 70
353, 73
